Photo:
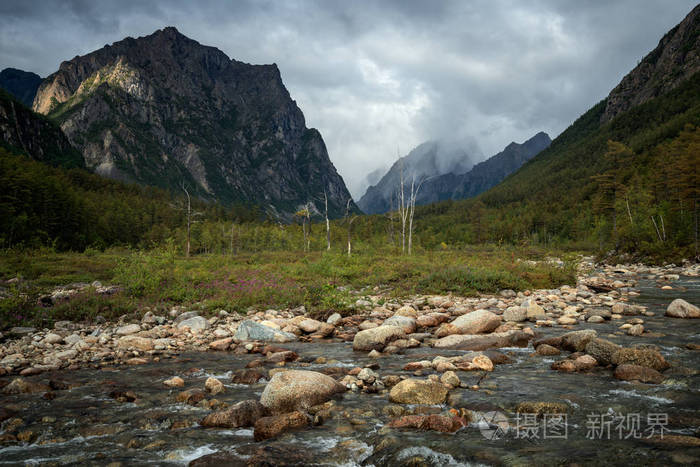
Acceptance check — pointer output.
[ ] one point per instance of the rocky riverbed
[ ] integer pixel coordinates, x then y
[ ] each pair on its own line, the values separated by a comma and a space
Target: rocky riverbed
606, 370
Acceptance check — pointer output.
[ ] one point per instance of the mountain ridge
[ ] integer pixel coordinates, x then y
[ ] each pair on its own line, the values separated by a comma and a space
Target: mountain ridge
164, 110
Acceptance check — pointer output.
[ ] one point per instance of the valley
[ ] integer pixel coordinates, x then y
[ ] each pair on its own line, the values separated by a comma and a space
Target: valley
185, 278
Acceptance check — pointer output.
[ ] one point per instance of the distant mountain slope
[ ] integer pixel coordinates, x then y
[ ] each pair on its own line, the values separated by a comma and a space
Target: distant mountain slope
24, 131
164, 110
430, 159
603, 183
671, 63
21, 84
483, 175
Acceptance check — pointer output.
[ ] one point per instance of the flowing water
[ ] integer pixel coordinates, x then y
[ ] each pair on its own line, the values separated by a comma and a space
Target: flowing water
84, 425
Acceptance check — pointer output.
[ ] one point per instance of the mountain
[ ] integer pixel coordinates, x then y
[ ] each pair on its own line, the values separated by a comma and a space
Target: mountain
623, 177
23, 131
671, 63
164, 110
21, 84
429, 159
483, 175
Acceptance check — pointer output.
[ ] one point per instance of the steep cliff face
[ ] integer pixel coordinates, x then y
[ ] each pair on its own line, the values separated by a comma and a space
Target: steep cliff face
164, 110
430, 159
24, 131
671, 63
21, 84
483, 175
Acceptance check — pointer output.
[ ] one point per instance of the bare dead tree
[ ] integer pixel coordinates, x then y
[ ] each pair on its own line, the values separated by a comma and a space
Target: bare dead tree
349, 220
658, 234
305, 216
403, 207
190, 215
412, 209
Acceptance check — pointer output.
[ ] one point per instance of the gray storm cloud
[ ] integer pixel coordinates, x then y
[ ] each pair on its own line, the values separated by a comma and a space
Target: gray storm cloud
376, 75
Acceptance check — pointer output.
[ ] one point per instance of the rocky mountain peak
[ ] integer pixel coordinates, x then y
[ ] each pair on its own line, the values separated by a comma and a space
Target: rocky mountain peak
673, 61
163, 109
21, 84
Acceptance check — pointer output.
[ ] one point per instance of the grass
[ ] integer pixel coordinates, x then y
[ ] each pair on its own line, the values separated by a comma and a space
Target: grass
324, 282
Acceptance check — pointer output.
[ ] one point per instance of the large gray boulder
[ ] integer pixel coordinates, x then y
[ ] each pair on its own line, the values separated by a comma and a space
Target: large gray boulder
576, 341
476, 322
377, 338
417, 391
244, 413
293, 390
679, 308
407, 323
195, 323
515, 314
250, 330
484, 341
602, 350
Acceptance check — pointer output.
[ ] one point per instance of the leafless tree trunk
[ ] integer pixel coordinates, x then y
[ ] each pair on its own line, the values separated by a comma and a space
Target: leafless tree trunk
663, 229
629, 213
349, 220
658, 234
403, 208
412, 210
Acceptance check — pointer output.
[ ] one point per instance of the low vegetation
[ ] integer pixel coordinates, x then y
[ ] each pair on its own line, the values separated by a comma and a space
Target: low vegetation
323, 282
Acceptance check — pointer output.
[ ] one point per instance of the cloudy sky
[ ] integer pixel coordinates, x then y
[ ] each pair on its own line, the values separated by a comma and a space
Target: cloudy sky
374, 76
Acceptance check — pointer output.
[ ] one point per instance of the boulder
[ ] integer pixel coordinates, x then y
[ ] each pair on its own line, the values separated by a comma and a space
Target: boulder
249, 330
602, 350
309, 326
450, 378
407, 323
135, 342
407, 311
191, 396
52, 338
242, 414
476, 322
221, 344
547, 350
293, 390
271, 427
246, 376
377, 338
627, 372
416, 391
515, 314
128, 330
485, 341
174, 382
434, 422
576, 341
649, 358
679, 308
585, 363
334, 319
213, 386
535, 312
196, 323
